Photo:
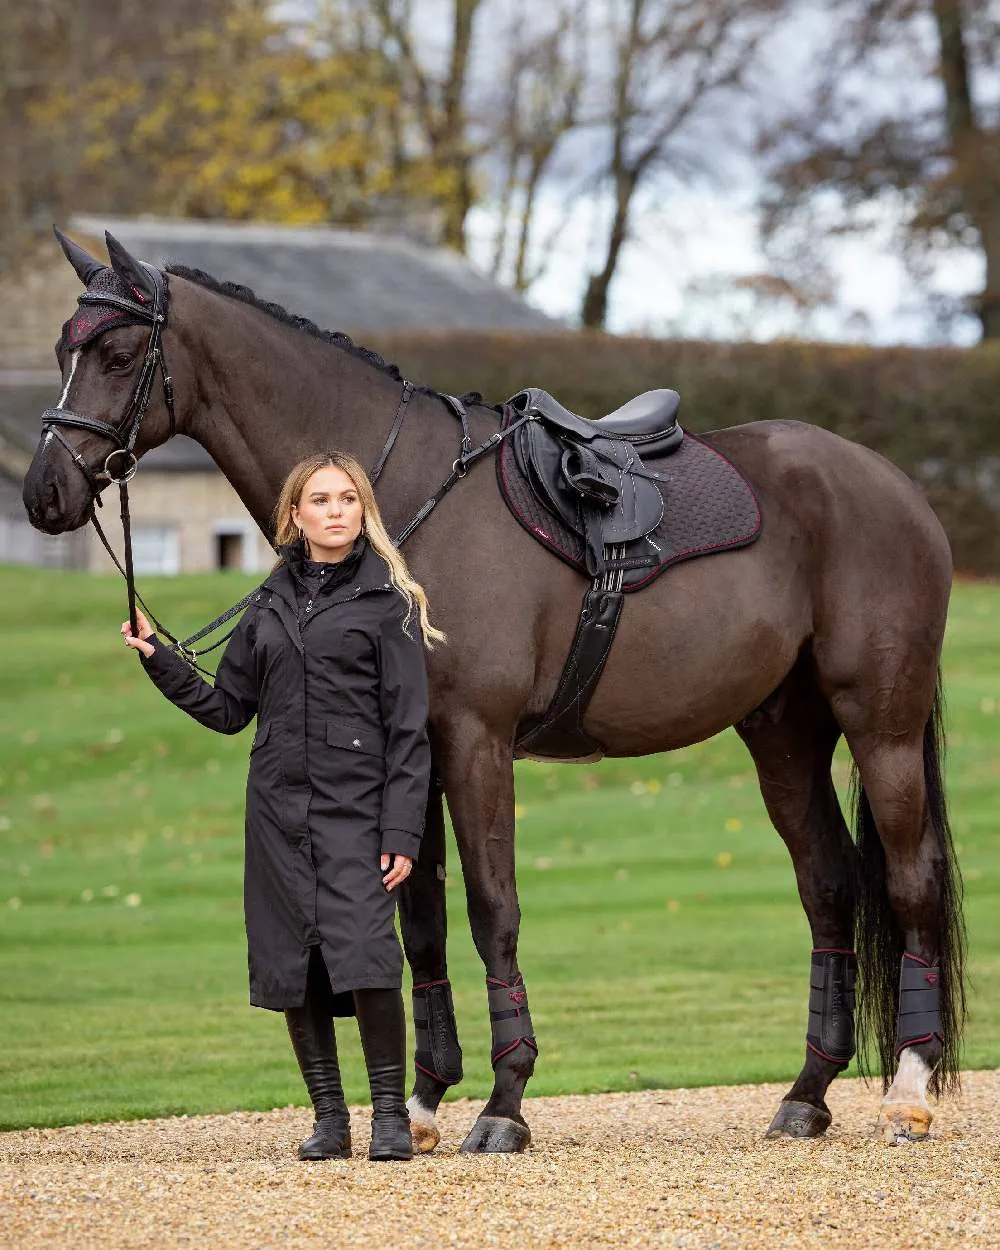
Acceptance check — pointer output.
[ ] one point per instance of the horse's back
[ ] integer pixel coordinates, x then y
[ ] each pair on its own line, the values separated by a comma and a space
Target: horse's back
847, 545
836, 489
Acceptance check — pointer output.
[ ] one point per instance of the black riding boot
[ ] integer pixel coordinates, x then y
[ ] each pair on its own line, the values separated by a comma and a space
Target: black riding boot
311, 1029
383, 1039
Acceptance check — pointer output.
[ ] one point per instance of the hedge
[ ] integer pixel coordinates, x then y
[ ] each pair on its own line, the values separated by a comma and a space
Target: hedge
933, 412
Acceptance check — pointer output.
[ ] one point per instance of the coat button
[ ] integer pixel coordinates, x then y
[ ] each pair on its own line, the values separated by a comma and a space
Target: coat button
356, 742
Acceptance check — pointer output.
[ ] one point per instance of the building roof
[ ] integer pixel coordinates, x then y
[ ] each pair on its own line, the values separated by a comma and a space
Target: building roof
359, 282
348, 280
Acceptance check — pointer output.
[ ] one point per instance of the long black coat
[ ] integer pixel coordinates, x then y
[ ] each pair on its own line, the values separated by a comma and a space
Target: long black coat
339, 770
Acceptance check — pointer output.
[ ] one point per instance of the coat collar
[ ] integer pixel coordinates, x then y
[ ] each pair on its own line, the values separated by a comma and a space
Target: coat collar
371, 573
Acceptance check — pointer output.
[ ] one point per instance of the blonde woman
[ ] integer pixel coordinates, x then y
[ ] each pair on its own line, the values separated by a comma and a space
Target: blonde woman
330, 659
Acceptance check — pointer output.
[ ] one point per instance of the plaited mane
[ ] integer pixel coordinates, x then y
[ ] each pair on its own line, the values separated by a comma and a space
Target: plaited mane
233, 290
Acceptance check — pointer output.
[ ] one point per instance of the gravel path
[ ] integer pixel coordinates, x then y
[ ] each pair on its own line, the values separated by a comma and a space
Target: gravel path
679, 1168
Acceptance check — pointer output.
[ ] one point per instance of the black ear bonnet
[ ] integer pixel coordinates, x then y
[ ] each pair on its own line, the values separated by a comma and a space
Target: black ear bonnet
94, 316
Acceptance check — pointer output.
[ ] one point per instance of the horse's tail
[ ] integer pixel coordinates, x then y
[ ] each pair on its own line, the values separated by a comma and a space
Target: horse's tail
879, 939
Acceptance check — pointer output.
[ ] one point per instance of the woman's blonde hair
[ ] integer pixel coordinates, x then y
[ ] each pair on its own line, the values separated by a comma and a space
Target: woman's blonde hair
286, 531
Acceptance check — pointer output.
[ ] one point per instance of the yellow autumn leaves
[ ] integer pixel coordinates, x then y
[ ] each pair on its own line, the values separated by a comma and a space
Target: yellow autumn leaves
248, 119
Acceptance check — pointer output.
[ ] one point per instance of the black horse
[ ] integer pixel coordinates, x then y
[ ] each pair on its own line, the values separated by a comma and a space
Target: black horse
830, 624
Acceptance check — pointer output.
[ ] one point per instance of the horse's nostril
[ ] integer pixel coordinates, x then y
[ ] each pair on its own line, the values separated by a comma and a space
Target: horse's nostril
55, 501
44, 504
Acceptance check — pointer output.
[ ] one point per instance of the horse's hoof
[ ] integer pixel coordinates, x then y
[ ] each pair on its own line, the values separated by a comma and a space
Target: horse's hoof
492, 1135
425, 1137
903, 1122
799, 1120
423, 1127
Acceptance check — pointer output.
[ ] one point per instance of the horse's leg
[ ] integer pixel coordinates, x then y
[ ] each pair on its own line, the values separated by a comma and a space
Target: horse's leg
791, 738
478, 773
912, 996
424, 925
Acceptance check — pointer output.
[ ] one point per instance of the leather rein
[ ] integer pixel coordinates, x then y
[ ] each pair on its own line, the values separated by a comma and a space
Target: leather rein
126, 433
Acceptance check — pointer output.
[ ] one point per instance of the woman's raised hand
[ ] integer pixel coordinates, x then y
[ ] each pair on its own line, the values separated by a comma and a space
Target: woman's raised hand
401, 866
145, 631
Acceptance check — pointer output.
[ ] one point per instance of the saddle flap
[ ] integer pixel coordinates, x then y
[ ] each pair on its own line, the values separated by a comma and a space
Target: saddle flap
611, 474
638, 512
593, 488
539, 455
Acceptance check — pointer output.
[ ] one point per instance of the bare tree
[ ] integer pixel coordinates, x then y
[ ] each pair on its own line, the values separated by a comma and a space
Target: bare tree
673, 60
927, 153
545, 81
437, 101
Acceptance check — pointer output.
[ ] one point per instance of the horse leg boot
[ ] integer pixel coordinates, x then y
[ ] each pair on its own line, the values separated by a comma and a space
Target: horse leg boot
311, 1029
423, 924
791, 737
383, 1039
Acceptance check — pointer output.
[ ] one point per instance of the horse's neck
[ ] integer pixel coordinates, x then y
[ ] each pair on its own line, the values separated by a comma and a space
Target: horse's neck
268, 395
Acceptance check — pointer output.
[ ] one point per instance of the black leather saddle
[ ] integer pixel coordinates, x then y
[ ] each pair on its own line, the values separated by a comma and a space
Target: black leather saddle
591, 474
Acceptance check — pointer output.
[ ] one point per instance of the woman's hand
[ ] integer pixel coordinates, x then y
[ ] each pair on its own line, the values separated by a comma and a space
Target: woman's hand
401, 868
145, 631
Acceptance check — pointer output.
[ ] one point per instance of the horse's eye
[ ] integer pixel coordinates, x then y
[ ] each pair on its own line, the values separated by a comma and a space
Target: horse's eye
120, 360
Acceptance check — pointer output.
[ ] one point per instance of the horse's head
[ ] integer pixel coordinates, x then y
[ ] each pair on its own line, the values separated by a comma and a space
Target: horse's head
111, 410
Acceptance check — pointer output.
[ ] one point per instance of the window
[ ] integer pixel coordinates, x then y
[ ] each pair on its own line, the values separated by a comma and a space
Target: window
156, 549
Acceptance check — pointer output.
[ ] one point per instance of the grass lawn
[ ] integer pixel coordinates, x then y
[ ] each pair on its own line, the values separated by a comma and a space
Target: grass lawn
662, 939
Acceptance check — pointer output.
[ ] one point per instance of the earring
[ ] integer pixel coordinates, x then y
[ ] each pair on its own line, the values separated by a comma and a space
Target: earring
301, 535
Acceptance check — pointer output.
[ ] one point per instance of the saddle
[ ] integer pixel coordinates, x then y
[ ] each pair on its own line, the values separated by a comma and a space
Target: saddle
620, 499
590, 474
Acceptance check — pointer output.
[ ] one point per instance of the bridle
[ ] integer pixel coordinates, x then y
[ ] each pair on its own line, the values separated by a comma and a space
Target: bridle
126, 433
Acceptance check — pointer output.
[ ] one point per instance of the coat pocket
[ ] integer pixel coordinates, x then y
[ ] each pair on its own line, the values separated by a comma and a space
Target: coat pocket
357, 738
260, 737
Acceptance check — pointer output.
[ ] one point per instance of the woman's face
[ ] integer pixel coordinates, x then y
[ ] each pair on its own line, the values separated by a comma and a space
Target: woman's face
329, 513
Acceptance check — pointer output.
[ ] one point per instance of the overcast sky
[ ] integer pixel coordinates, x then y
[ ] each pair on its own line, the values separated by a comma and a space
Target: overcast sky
704, 235
686, 238
694, 235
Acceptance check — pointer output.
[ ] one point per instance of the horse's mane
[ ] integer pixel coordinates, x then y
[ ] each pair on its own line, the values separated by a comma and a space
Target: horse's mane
245, 296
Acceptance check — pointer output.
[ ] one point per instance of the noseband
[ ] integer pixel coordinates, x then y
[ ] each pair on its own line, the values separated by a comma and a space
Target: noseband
125, 434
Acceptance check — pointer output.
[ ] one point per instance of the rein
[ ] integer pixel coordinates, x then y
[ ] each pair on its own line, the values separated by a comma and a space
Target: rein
126, 433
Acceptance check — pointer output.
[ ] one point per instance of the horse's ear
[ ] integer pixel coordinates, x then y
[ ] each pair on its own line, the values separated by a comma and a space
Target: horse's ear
84, 264
132, 272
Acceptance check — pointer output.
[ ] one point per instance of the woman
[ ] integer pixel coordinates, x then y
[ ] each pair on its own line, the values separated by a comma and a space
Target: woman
329, 658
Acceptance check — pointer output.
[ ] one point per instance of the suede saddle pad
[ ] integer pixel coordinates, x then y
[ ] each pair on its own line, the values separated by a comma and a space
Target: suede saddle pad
708, 506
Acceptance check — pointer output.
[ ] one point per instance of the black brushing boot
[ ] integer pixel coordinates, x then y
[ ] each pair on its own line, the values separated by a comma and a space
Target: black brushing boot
383, 1039
311, 1029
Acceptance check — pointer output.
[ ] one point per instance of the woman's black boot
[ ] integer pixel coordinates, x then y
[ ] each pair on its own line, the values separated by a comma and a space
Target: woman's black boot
383, 1038
311, 1029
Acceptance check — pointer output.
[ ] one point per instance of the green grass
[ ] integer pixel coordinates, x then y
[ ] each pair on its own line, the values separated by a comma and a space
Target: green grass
662, 940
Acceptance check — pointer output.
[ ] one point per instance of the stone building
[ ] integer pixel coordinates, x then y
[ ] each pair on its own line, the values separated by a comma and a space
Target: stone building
185, 515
